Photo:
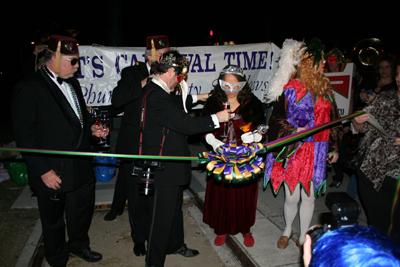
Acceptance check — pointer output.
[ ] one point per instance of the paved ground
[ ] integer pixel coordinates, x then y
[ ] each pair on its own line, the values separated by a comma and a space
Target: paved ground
266, 231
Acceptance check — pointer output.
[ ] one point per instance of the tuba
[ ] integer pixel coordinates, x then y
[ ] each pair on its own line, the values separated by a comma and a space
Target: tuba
366, 53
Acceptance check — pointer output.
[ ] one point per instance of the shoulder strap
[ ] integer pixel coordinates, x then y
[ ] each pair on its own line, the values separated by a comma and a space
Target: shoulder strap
165, 131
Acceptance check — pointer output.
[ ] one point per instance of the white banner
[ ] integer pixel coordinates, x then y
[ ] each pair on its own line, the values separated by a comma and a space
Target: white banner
100, 67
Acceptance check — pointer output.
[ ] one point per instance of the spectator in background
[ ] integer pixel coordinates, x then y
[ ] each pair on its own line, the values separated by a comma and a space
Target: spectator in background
35, 59
380, 170
335, 61
385, 75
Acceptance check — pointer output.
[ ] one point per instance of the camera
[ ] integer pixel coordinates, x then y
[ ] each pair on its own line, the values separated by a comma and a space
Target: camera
344, 213
146, 170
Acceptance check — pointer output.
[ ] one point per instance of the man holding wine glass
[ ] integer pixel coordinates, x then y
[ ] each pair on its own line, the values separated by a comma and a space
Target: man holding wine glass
49, 112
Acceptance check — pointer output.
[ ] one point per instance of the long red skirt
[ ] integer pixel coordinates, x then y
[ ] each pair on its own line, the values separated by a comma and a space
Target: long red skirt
230, 208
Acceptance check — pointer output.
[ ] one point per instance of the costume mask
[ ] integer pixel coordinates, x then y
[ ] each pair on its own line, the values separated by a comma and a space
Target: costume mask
228, 87
332, 59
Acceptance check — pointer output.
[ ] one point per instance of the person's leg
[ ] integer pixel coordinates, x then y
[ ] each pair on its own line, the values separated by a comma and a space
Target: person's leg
338, 166
290, 208
53, 226
138, 209
120, 192
163, 215
352, 187
79, 207
372, 202
306, 212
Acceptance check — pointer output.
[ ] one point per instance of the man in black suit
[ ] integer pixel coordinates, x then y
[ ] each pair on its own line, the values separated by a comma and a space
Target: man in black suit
49, 112
167, 123
125, 97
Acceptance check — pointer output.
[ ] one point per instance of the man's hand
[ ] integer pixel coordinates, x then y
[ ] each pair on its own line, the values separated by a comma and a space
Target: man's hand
51, 180
224, 115
332, 158
99, 131
144, 81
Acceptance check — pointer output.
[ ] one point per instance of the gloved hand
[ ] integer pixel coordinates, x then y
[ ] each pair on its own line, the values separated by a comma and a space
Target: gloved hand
212, 141
251, 137
185, 90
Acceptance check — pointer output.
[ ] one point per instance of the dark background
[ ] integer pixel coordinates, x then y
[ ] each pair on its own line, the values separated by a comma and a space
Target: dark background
127, 24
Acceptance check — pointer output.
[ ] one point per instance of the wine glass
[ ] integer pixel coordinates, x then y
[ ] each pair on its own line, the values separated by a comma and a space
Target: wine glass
60, 173
105, 120
225, 106
97, 117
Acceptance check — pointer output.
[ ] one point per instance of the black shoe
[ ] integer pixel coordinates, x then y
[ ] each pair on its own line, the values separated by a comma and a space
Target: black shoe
186, 252
139, 249
111, 216
88, 255
335, 184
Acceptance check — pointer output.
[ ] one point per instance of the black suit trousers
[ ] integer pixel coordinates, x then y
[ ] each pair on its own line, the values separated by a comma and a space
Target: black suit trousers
139, 207
166, 232
78, 206
120, 190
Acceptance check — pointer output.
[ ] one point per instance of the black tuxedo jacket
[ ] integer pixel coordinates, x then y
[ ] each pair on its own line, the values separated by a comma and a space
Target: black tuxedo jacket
125, 96
42, 118
166, 110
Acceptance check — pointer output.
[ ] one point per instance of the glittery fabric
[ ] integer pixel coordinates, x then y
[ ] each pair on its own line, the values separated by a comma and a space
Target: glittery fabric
306, 158
382, 159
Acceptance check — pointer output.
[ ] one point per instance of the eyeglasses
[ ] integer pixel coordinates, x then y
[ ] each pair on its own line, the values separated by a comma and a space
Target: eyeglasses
72, 60
370, 91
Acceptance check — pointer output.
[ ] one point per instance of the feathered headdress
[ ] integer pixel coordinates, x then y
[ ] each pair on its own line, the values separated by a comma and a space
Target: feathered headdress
289, 58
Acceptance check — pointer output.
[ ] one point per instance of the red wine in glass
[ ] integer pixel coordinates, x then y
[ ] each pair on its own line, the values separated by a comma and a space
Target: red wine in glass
105, 122
97, 117
225, 106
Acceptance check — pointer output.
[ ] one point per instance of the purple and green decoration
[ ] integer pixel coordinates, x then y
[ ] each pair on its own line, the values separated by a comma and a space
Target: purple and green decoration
233, 163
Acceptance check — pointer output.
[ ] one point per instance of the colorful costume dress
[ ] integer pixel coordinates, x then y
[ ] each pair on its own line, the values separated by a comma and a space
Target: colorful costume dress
305, 160
231, 208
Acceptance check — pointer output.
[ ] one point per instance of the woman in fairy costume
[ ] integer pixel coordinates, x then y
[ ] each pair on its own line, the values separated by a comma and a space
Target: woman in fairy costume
303, 99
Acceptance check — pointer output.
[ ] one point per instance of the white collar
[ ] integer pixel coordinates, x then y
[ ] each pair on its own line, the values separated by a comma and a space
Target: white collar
161, 83
148, 67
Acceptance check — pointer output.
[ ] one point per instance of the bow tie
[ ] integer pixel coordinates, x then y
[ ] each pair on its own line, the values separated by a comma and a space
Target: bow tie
61, 80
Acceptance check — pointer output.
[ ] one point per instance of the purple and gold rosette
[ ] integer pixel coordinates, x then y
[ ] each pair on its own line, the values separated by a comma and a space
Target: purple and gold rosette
233, 163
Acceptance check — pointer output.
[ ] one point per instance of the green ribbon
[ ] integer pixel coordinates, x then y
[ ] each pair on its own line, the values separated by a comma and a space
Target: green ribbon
276, 143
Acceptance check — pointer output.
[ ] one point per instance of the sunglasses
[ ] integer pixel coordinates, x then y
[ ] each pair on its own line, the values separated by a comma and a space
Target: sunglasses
72, 60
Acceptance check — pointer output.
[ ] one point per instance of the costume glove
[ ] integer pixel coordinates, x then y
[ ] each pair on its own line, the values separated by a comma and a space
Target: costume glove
212, 141
251, 137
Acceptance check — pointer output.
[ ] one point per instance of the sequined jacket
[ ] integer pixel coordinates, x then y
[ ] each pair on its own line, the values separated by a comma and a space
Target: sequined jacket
382, 158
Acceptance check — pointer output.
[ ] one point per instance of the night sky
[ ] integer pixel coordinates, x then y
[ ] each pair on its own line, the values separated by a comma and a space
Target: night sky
128, 23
